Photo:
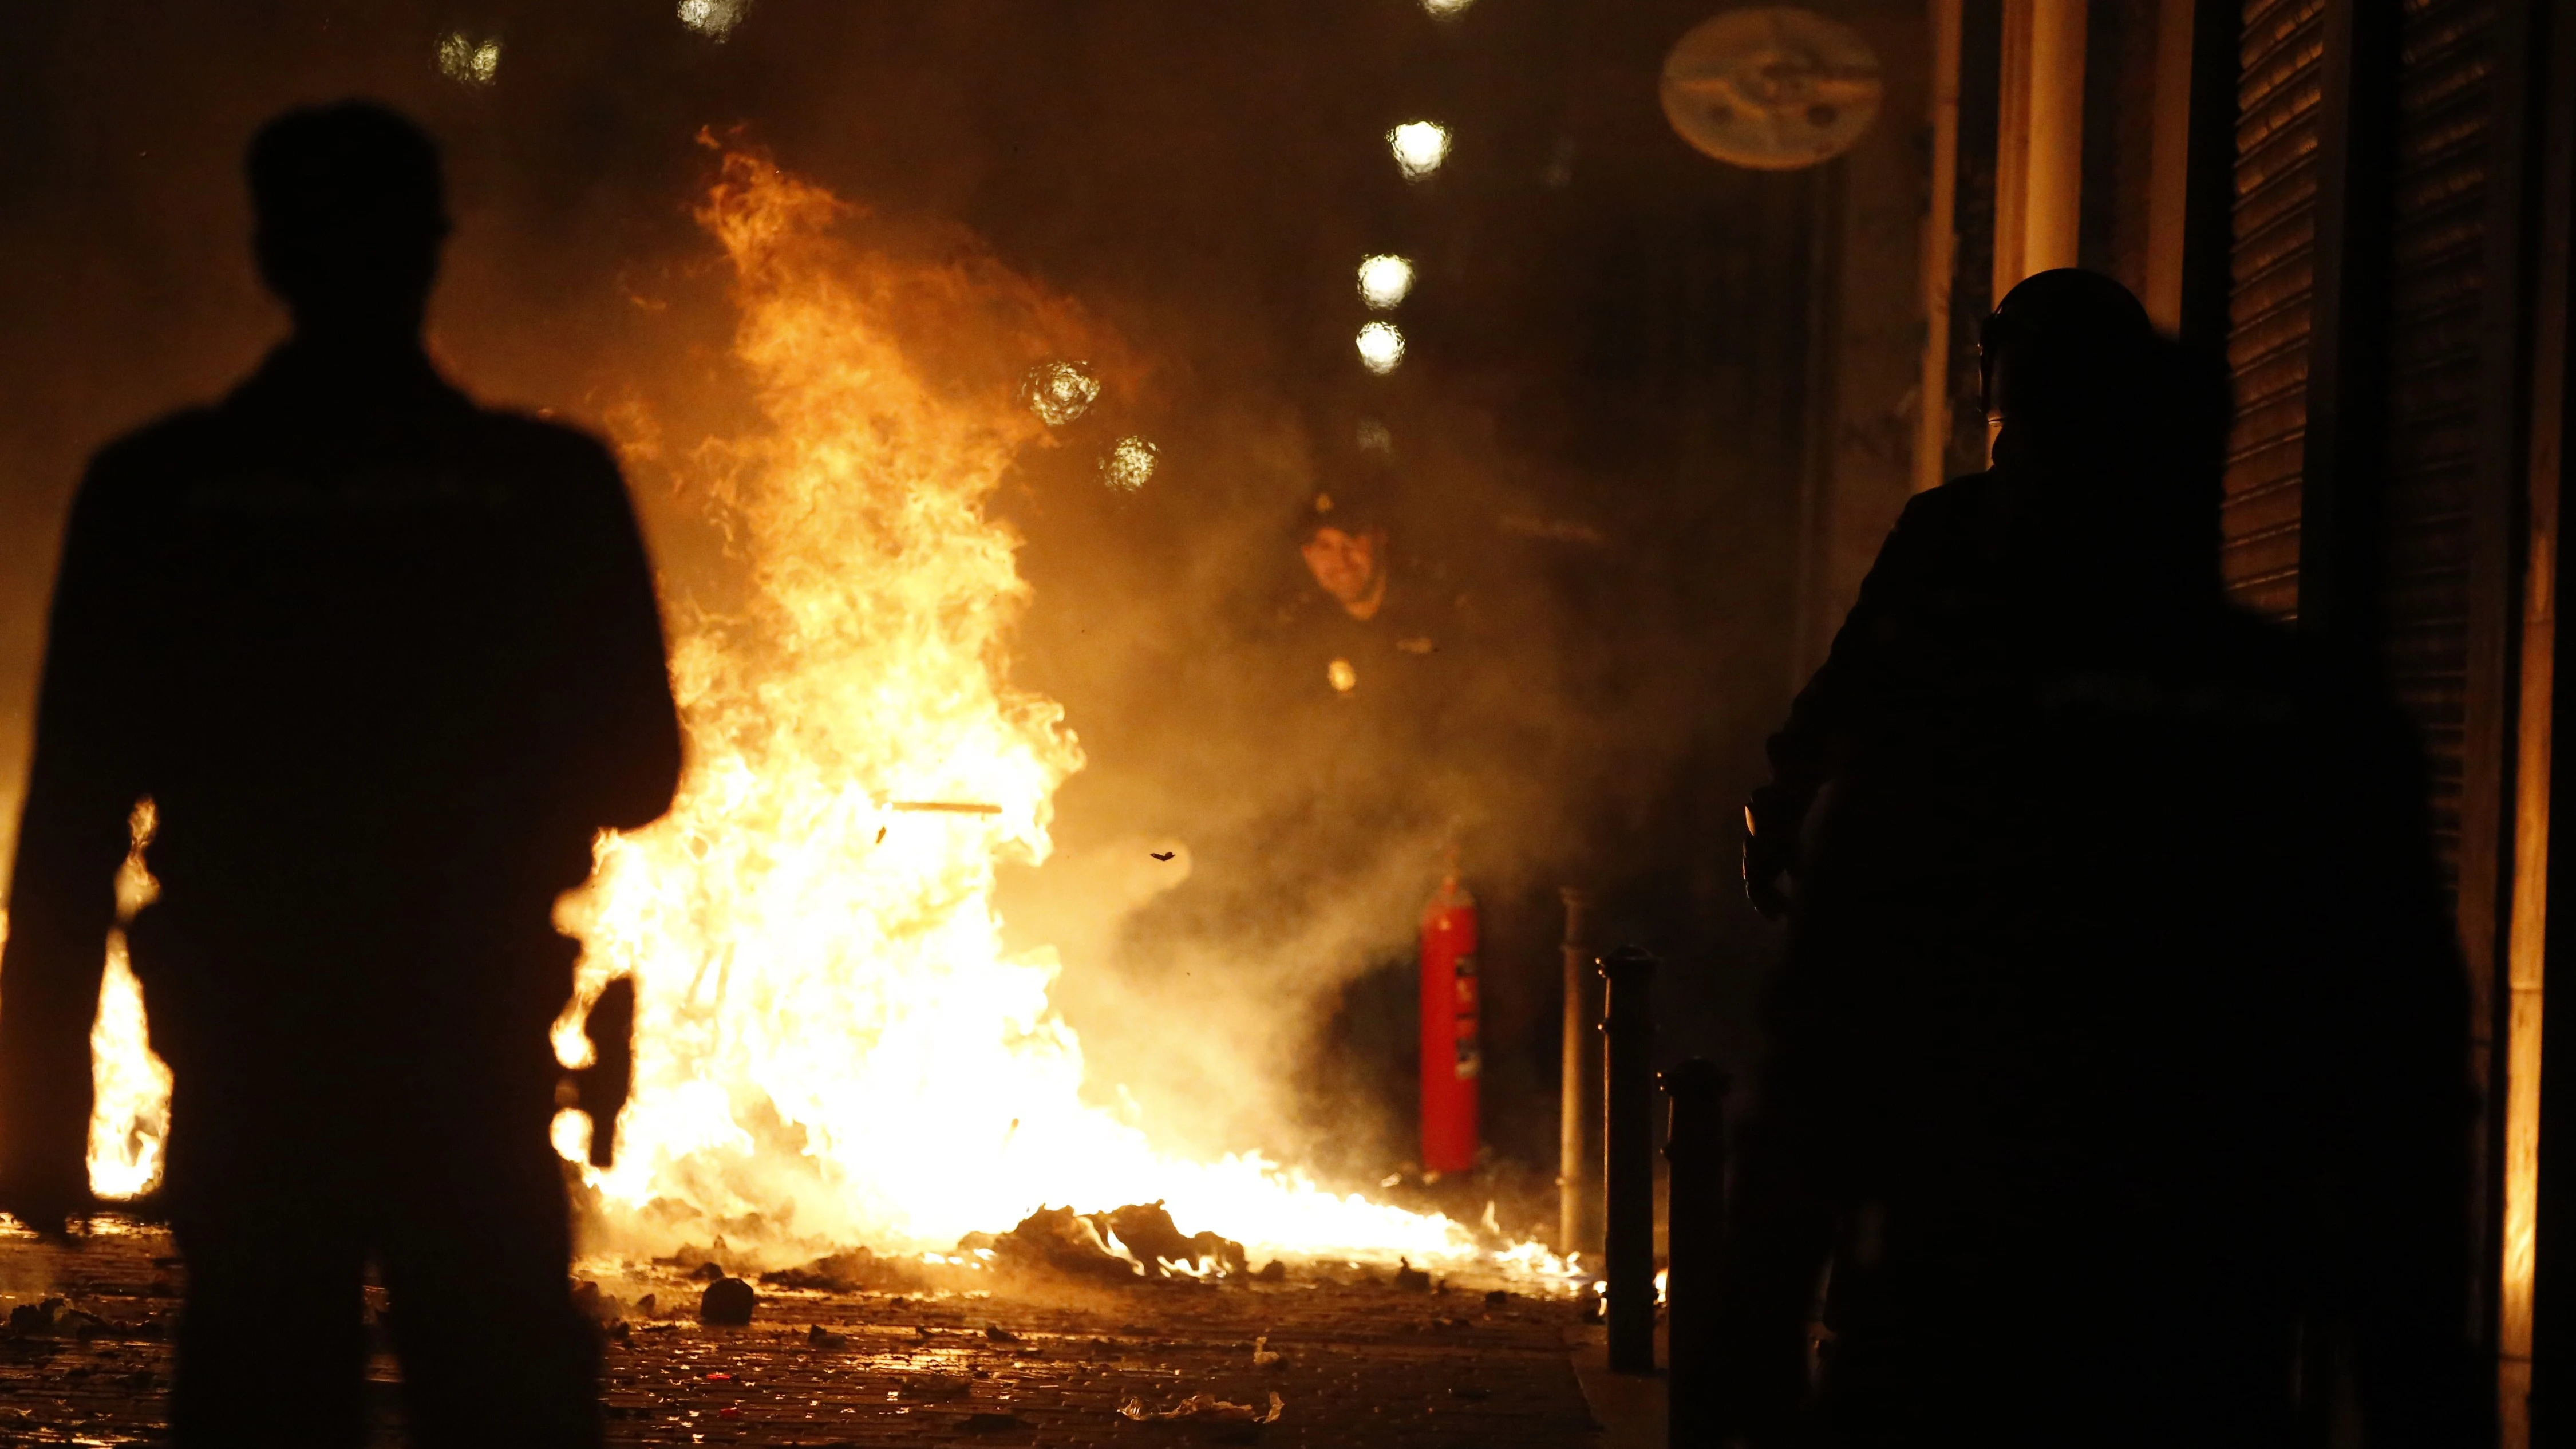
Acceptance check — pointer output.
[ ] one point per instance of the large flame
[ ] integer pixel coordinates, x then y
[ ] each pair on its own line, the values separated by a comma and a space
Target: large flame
832, 1043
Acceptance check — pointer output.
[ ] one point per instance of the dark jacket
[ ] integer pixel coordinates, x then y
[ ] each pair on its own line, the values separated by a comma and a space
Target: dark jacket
384, 662
2120, 1045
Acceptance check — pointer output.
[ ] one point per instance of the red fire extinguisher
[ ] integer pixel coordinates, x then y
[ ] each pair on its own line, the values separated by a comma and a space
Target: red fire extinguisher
1452, 1052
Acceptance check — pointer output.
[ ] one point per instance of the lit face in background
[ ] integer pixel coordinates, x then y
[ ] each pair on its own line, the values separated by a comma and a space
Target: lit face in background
1345, 565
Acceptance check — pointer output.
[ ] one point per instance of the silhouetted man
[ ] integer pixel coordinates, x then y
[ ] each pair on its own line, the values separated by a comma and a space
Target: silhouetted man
385, 662
2117, 1063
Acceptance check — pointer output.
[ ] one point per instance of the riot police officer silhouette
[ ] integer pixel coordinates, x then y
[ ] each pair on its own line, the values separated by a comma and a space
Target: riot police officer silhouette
385, 662
2117, 1063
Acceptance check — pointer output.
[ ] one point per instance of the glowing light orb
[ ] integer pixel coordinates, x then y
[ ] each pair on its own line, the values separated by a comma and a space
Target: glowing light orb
714, 19
1385, 281
1128, 464
1059, 392
1447, 9
1381, 347
468, 62
1419, 147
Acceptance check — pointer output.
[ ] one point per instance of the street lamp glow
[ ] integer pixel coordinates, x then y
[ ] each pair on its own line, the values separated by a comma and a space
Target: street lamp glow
1381, 347
1419, 147
1385, 281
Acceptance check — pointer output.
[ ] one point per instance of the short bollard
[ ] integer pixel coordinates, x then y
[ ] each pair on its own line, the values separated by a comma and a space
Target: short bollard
1694, 1222
1578, 1198
1628, 1157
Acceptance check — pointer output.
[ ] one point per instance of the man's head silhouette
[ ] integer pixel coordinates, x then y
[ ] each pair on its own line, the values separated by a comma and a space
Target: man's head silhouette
2066, 355
2127, 427
351, 214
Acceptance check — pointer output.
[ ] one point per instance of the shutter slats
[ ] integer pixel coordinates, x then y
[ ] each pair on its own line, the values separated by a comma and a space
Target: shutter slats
2437, 251
2272, 266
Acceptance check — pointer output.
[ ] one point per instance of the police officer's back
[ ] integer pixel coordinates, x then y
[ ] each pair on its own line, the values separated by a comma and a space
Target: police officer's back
384, 662
2116, 1063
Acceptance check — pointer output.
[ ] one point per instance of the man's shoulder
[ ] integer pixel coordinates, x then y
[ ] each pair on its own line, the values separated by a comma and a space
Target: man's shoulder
189, 436
539, 432
1940, 532
1962, 498
166, 439
539, 444
134, 464
160, 469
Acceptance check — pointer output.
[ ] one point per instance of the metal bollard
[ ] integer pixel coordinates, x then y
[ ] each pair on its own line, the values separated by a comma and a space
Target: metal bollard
1628, 1156
1695, 1146
1578, 1215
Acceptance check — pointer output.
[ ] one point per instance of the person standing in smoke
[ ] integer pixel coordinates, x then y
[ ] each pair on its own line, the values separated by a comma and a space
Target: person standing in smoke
1374, 648
1374, 639
2116, 1083
385, 663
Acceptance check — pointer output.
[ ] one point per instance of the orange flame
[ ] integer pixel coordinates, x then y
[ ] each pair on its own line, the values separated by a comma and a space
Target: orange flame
832, 1043
129, 1118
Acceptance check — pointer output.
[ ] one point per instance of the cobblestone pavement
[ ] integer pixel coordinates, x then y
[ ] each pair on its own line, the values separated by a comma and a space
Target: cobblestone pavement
1358, 1362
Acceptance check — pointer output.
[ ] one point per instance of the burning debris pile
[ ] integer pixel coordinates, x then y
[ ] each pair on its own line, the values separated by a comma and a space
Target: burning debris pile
1139, 1240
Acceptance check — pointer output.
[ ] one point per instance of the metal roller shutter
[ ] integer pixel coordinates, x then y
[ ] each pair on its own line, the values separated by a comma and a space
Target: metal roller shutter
2273, 273
2441, 135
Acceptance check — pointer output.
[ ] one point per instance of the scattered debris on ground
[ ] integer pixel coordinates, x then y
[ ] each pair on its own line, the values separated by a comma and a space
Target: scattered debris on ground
856, 1271
689, 1256
590, 1300
727, 1303
1206, 1408
1368, 1367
